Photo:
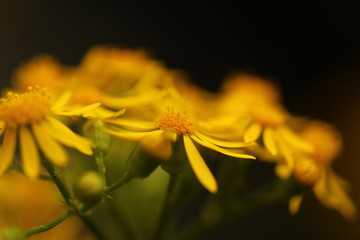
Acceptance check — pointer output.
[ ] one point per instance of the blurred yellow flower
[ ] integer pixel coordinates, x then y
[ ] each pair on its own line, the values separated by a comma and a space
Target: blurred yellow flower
314, 169
34, 203
31, 116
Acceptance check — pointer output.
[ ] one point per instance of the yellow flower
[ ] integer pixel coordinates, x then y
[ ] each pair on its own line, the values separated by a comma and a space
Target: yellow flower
176, 124
269, 122
43, 71
314, 169
33, 203
31, 116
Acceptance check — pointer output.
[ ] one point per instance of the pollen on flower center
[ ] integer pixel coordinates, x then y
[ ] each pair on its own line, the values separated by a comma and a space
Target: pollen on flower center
177, 123
267, 115
25, 108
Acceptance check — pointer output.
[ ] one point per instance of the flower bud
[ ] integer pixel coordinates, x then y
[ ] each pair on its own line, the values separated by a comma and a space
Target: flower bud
12, 233
89, 189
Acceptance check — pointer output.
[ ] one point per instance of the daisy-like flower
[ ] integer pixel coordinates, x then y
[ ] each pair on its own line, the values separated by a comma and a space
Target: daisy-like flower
31, 117
260, 118
175, 124
268, 122
314, 169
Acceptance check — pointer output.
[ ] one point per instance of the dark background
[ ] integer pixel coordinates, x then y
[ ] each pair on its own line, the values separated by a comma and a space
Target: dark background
312, 49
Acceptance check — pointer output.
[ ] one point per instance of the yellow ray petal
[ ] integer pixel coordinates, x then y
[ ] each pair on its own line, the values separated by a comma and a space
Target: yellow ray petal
7, 149
131, 135
332, 192
252, 133
294, 140
62, 100
286, 152
295, 203
134, 124
103, 113
2, 127
29, 153
132, 101
220, 150
52, 150
222, 143
269, 140
63, 134
78, 111
201, 170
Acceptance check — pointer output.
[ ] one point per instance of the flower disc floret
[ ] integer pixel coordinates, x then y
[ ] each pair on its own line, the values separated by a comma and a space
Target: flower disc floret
177, 123
25, 108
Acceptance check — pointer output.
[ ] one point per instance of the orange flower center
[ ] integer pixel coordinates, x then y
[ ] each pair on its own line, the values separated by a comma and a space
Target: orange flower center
177, 123
25, 108
306, 171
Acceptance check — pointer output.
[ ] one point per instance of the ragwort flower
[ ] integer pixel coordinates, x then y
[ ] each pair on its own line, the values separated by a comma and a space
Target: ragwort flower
31, 116
314, 169
173, 123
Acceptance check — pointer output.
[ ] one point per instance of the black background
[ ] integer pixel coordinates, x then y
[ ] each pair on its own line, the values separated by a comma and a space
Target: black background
311, 48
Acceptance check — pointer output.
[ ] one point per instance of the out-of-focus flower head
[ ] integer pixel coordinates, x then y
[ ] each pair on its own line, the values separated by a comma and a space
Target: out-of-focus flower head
314, 169
31, 115
42, 71
33, 203
117, 70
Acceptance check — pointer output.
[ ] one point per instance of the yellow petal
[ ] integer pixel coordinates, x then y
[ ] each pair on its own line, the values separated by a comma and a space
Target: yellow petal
130, 135
295, 203
269, 140
221, 143
52, 150
199, 166
228, 152
29, 153
7, 149
252, 133
286, 152
134, 124
63, 134
2, 127
331, 191
78, 111
132, 101
294, 140
62, 100
103, 113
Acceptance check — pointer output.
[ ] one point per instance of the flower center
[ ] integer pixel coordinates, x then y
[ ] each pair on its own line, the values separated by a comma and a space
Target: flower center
306, 171
268, 115
177, 123
87, 95
25, 108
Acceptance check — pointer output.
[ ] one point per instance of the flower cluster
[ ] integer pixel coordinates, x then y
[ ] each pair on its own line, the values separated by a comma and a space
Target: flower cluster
127, 95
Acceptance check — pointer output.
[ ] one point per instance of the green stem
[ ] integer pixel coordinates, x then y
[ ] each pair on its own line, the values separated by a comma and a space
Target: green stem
168, 207
56, 179
101, 167
68, 199
125, 178
50, 225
